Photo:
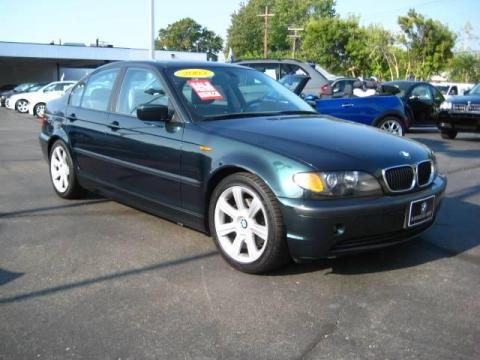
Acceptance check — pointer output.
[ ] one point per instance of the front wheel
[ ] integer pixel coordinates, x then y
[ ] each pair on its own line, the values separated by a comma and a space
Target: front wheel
21, 106
62, 172
247, 225
392, 125
449, 134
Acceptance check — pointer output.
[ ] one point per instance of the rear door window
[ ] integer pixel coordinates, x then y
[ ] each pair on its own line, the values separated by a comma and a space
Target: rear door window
98, 90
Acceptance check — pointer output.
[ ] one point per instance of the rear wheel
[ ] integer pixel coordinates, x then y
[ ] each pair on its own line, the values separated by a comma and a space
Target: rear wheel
21, 106
39, 110
392, 125
449, 134
62, 172
247, 225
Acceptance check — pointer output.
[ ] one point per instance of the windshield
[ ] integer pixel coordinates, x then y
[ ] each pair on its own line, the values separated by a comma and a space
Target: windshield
23, 87
221, 92
475, 90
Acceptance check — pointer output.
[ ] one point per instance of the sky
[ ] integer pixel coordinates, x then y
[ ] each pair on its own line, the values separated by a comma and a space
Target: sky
123, 23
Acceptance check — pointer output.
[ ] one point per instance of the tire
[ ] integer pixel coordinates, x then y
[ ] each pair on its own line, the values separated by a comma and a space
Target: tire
21, 106
449, 134
252, 244
392, 125
40, 107
62, 172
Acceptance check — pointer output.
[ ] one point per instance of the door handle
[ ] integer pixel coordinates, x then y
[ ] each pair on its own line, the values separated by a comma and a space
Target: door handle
347, 105
114, 125
72, 117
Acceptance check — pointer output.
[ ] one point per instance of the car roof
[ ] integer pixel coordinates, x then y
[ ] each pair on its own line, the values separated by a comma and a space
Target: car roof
170, 64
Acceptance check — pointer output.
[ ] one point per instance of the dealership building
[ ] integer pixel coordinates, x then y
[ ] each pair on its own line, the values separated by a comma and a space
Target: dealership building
26, 62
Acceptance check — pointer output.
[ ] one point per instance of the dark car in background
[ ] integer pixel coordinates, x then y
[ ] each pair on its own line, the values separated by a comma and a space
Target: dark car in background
422, 101
231, 152
16, 90
460, 114
319, 78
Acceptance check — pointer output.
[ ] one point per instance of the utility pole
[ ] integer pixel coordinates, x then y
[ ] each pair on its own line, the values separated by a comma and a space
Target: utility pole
295, 37
151, 30
266, 15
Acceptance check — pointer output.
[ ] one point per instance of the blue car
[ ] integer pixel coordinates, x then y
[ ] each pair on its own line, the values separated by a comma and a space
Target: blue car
386, 112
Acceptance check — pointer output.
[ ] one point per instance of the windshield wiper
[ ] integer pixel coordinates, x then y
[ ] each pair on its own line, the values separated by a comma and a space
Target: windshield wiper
296, 112
238, 115
252, 114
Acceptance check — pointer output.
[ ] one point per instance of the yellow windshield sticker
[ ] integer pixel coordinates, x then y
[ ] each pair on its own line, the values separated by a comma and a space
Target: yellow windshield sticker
194, 73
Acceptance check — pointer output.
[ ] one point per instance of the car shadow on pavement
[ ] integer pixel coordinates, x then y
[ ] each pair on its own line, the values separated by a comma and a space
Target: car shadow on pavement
27, 212
104, 278
444, 146
455, 233
7, 276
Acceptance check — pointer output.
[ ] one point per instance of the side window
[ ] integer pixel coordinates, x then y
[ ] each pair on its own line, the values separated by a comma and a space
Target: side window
272, 70
454, 91
291, 69
140, 86
98, 89
422, 92
76, 94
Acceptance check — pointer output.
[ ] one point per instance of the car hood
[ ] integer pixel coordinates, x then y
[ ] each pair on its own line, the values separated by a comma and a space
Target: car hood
464, 99
323, 142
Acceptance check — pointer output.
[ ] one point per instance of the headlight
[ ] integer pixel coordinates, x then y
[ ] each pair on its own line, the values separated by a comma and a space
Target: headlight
339, 183
446, 105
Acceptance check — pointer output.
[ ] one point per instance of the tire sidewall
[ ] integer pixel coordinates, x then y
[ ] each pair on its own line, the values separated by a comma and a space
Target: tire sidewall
71, 181
275, 229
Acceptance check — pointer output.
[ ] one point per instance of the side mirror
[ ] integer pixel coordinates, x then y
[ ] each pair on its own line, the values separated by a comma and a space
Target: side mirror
150, 112
466, 92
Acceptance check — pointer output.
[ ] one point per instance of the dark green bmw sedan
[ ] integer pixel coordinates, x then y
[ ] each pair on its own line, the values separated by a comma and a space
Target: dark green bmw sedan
228, 151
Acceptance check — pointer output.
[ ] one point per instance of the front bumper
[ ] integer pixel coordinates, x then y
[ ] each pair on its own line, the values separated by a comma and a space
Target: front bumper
320, 229
459, 121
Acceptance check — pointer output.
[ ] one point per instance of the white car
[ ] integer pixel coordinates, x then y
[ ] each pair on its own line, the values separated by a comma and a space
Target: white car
34, 102
452, 89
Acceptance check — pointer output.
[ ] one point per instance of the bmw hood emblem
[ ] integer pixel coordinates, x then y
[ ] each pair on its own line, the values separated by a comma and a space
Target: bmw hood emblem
405, 154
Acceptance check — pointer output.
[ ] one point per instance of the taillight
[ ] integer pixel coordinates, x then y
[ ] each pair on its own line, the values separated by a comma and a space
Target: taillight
324, 89
42, 119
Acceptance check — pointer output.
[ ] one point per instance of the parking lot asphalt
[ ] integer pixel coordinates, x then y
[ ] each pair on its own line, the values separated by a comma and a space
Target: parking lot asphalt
94, 279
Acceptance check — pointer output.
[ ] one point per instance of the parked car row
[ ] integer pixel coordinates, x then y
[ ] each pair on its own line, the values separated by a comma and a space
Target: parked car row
32, 97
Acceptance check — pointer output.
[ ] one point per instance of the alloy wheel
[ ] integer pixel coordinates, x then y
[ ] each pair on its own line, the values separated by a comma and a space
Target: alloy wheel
241, 224
393, 127
22, 106
40, 109
59, 169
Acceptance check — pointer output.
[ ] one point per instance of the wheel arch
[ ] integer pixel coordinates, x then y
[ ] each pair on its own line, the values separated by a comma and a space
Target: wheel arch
395, 114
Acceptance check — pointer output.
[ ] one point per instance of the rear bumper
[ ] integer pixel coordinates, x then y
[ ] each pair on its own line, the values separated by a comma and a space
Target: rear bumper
319, 229
43, 139
464, 122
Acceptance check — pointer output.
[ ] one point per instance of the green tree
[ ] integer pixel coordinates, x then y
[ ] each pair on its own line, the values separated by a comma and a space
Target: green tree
465, 67
338, 44
245, 34
428, 42
187, 35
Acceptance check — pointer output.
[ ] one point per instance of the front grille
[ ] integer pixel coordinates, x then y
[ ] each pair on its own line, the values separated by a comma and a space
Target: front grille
400, 178
424, 172
466, 107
